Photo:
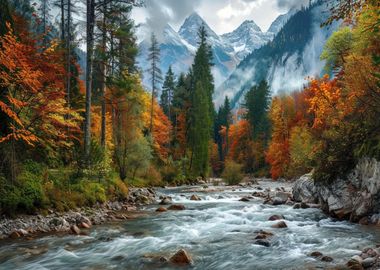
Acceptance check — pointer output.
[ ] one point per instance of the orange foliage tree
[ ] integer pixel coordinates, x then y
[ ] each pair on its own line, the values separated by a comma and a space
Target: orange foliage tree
34, 99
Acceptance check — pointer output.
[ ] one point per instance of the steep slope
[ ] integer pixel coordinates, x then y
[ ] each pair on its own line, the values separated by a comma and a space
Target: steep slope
246, 38
287, 60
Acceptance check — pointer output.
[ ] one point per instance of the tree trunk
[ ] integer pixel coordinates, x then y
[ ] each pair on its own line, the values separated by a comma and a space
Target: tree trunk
68, 44
103, 74
90, 42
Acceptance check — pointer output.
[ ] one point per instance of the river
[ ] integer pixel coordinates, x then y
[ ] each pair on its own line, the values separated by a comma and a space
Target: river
218, 231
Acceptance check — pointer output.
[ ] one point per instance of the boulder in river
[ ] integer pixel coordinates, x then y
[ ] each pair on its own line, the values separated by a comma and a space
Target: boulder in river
262, 242
280, 224
161, 209
326, 259
316, 254
181, 257
354, 265
280, 198
195, 198
244, 199
368, 262
166, 201
276, 217
176, 207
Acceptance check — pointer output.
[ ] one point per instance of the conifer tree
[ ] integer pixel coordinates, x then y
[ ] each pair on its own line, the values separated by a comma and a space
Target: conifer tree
257, 102
167, 93
155, 72
202, 108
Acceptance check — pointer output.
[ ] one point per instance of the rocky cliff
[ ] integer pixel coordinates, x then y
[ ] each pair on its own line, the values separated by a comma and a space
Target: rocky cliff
356, 198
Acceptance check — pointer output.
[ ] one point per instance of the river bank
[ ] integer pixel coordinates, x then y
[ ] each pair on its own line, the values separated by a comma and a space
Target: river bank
76, 221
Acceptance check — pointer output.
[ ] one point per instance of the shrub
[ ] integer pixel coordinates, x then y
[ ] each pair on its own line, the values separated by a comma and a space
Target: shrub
232, 173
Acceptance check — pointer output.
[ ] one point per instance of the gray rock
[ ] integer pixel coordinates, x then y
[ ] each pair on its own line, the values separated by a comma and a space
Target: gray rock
354, 197
304, 189
368, 262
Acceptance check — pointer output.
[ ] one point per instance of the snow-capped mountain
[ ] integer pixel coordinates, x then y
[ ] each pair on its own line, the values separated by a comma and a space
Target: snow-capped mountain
178, 48
246, 38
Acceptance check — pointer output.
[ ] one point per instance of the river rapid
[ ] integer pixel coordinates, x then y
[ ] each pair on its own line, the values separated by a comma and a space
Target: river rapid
218, 232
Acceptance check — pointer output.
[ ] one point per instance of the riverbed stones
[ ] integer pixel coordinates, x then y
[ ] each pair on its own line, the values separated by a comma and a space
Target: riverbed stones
195, 197
276, 217
316, 254
280, 198
161, 209
166, 201
75, 230
14, 235
279, 225
177, 207
354, 265
326, 259
244, 199
262, 242
181, 257
263, 234
368, 262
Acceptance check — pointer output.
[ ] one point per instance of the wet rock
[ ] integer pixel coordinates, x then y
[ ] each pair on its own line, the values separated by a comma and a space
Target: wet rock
181, 257
262, 242
75, 230
280, 198
326, 259
263, 235
22, 232
304, 205
368, 262
166, 201
161, 209
297, 206
276, 217
14, 235
163, 259
176, 207
316, 254
280, 224
364, 221
244, 199
195, 198
354, 265
84, 225
259, 188
357, 258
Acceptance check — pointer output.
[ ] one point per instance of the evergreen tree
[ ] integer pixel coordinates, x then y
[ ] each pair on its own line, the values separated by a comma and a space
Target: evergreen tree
155, 72
167, 93
223, 119
257, 102
202, 108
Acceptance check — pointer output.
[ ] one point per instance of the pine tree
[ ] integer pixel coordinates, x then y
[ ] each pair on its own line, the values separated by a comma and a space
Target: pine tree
223, 120
202, 110
167, 93
155, 72
257, 102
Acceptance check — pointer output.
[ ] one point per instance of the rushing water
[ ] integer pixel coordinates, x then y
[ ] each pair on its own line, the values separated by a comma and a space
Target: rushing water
218, 232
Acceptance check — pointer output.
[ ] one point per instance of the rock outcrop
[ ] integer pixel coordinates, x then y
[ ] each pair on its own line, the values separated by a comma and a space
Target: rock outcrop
353, 198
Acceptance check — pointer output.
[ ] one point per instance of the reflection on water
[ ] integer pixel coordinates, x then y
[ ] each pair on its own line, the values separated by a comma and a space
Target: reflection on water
218, 232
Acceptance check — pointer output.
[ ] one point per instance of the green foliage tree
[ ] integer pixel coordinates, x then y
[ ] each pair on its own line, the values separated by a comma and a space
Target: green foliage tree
337, 48
257, 102
167, 93
202, 110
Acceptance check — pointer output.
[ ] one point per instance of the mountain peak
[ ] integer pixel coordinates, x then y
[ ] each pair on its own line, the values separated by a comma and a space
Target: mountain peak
250, 24
190, 27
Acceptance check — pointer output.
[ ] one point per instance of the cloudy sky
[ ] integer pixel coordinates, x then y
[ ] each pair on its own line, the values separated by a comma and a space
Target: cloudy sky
222, 15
